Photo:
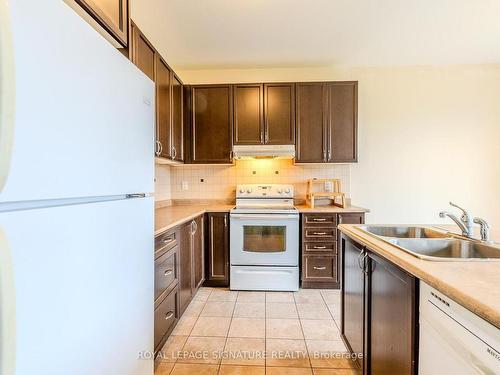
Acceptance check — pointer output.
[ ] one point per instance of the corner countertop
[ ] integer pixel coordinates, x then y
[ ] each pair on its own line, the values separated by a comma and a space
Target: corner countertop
472, 284
171, 216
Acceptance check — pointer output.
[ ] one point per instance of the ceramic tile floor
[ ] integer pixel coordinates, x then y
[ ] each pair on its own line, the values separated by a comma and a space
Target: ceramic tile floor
258, 333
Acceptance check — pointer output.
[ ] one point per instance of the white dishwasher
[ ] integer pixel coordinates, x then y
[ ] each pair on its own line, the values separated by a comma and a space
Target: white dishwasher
453, 340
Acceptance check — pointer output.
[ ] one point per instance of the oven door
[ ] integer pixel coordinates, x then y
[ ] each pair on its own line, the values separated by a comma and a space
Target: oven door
264, 239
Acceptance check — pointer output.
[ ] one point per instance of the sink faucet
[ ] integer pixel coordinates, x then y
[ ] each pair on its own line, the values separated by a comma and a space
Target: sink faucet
465, 222
485, 229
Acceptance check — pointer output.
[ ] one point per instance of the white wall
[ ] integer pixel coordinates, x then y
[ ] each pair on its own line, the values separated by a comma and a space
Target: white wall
427, 135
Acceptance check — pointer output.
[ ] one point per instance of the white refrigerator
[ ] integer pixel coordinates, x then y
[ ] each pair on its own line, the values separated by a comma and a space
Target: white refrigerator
76, 211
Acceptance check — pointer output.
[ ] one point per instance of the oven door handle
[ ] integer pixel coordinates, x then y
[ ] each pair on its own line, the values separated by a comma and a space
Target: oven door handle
264, 217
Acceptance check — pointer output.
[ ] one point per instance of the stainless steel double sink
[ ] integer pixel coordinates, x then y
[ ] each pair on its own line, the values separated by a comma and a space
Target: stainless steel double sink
426, 243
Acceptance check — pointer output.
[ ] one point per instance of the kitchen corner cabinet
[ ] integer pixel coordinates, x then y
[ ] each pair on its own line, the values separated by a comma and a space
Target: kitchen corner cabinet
111, 15
209, 124
326, 122
217, 249
379, 312
264, 114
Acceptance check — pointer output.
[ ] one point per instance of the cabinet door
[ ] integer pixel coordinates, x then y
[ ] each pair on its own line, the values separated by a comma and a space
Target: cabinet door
248, 114
185, 265
217, 245
211, 137
142, 53
392, 319
279, 113
352, 298
342, 122
177, 126
311, 122
163, 107
198, 253
112, 15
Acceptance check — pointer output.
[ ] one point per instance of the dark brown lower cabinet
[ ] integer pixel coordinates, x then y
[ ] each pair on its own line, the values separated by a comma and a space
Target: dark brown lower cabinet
198, 253
353, 300
217, 249
379, 312
192, 260
392, 319
166, 316
321, 258
186, 263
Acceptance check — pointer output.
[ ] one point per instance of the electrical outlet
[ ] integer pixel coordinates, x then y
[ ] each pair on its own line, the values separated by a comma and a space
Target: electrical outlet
184, 185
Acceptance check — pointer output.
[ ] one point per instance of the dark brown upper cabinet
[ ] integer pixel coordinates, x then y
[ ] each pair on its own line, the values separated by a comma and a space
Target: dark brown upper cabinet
177, 123
342, 122
279, 113
248, 114
264, 114
142, 52
163, 109
311, 122
111, 15
209, 124
326, 122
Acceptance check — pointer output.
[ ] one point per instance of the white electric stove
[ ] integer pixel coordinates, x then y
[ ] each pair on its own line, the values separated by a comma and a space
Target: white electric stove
264, 239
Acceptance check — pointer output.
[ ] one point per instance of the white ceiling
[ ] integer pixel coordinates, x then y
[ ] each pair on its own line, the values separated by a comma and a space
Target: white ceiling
210, 34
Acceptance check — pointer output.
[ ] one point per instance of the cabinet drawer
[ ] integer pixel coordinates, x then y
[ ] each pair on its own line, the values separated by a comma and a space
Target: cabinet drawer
320, 234
166, 315
320, 268
320, 247
319, 220
165, 242
166, 271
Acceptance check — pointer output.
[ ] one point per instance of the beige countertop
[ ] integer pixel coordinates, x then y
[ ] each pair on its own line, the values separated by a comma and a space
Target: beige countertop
473, 284
171, 216
330, 209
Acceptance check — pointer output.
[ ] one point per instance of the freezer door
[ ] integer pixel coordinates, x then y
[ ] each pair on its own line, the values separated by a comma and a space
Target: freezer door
83, 288
84, 114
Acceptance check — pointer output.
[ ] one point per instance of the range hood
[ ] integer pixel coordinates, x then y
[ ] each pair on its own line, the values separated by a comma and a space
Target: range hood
264, 152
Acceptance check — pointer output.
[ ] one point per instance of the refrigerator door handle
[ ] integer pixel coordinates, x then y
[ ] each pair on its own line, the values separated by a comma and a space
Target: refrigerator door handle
7, 309
7, 92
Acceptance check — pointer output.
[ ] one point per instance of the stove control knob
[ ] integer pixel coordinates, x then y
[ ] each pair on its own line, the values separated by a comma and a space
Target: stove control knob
242, 191
280, 191
288, 190
249, 191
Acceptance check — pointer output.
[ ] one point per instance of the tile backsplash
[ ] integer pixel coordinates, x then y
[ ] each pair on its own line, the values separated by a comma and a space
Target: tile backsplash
219, 182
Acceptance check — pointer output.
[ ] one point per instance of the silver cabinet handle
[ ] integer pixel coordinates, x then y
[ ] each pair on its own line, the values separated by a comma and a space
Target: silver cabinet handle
194, 227
324, 155
329, 155
262, 136
340, 219
319, 233
319, 247
168, 272
169, 315
174, 152
225, 220
319, 219
320, 268
160, 150
168, 240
